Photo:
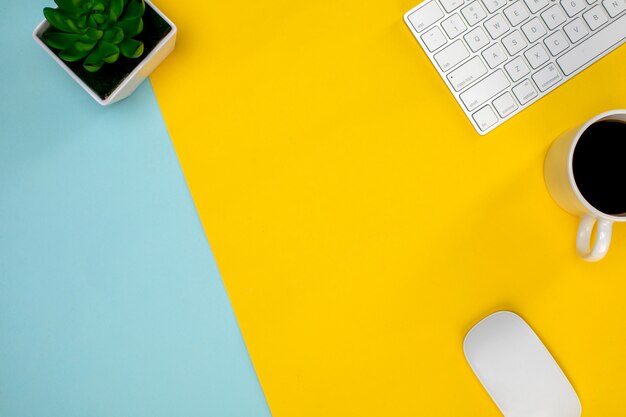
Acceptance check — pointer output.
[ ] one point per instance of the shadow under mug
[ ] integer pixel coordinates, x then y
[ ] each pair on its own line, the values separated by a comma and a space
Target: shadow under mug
559, 177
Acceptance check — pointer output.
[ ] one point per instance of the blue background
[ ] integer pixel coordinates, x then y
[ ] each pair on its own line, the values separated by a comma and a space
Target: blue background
111, 303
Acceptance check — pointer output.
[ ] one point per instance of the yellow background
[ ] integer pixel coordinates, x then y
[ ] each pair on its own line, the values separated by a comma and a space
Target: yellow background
362, 226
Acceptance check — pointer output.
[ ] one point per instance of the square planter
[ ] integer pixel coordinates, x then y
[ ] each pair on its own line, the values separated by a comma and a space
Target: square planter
117, 81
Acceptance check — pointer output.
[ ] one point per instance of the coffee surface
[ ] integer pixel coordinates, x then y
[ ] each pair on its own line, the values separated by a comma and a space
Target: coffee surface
599, 166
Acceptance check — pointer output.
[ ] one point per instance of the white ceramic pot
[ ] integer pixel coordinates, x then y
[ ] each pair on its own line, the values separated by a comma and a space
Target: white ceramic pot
136, 77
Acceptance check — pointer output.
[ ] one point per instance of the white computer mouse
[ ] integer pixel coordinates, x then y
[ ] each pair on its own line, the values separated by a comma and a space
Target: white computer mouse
517, 370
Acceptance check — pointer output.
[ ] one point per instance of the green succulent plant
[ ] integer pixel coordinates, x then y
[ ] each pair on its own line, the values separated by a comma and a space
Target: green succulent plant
97, 31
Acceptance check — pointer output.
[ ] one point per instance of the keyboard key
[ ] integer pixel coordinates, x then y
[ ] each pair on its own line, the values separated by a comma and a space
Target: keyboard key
485, 118
517, 69
576, 30
473, 13
505, 104
536, 5
476, 39
434, 39
524, 91
493, 5
485, 89
453, 26
425, 16
451, 55
614, 7
547, 77
451, 5
556, 43
467, 73
514, 42
496, 26
537, 56
593, 47
516, 13
573, 7
494, 55
553, 17
533, 30
595, 17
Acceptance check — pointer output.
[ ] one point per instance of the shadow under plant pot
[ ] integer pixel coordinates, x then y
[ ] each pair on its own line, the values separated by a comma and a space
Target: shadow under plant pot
114, 82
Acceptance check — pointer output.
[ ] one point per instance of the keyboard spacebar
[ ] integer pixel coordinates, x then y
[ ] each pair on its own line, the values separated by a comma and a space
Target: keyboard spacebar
593, 47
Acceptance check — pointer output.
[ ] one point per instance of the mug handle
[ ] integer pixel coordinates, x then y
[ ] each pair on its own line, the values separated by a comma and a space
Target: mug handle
602, 241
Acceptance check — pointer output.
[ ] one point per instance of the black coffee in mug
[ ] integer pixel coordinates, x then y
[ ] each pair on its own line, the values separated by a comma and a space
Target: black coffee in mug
599, 166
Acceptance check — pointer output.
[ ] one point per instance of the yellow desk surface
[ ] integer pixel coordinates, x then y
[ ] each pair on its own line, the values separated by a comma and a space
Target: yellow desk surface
362, 226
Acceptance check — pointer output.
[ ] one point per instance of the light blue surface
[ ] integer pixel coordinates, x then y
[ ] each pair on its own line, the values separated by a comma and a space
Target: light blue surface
110, 300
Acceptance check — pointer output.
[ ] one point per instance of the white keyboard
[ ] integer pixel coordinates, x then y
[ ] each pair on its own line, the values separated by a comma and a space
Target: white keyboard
500, 56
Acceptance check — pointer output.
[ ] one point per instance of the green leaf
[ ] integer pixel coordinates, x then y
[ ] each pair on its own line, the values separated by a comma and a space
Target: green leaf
114, 35
70, 6
131, 48
85, 44
59, 40
112, 19
116, 8
94, 61
96, 20
134, 8
72, 54
58, 20
99, 6
72, 25
110, 52
131, 27
99, 18
94, 34
81, 21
